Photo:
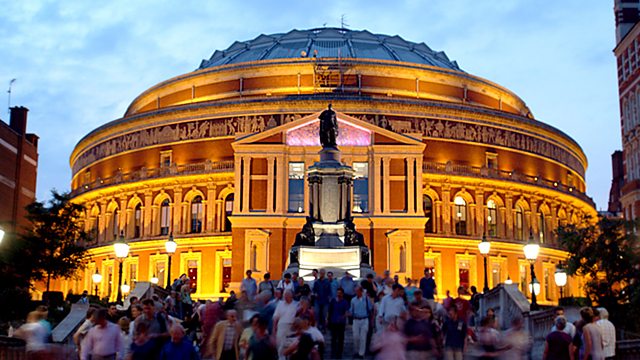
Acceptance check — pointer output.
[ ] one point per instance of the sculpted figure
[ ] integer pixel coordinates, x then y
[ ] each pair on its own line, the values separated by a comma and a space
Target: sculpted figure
328, 128
351, 236
307, 236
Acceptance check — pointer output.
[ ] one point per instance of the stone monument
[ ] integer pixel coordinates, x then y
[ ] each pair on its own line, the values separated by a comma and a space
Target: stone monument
329, 238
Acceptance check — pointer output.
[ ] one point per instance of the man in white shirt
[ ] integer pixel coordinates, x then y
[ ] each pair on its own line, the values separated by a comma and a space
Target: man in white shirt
392, 305
608, 334
283, 318
104, 340
569, 328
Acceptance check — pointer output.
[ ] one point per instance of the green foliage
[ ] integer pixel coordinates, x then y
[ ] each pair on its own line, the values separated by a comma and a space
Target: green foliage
56, 243
606, 254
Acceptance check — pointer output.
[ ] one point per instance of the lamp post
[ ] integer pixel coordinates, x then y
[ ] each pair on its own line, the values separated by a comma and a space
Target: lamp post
97, 278
121, 249
485, 246
534, 287
560, 276
170, 245
531, 251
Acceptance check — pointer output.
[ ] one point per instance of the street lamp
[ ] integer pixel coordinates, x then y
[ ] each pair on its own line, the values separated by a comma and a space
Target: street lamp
97, 278
485, 246
154, 279
560, 276
121, 249
531, 251
170, 245
508, 281
534, 287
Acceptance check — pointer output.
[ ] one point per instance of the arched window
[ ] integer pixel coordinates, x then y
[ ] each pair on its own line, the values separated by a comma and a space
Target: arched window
519, 223
492, 218
402, 259
137, 221
196, 214
165, 217
115, 226
427, 206
461, 215
254, 258
542, 224
228, 210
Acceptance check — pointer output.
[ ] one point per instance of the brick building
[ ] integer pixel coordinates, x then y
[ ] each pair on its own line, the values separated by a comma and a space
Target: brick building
18, 169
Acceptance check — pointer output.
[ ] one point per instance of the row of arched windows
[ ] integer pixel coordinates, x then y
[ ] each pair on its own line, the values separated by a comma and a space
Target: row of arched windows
161, 220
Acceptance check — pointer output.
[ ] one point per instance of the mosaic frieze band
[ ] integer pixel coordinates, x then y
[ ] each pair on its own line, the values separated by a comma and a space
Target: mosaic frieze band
431, 128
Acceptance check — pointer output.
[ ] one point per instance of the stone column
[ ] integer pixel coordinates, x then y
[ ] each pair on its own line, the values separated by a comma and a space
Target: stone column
411, 186
211, 204
534, 217
446, 209
177, 210
237, 183
280, 182
270, 183
509, 215
385, 179
104, 224
377, 187
218, 222
122, 223
246, 181
437, 217
147, 219
480, 212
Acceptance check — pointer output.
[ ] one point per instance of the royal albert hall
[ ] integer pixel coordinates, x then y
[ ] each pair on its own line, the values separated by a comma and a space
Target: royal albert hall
217, 158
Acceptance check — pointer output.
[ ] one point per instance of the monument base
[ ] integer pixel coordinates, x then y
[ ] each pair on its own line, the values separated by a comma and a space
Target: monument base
352, 259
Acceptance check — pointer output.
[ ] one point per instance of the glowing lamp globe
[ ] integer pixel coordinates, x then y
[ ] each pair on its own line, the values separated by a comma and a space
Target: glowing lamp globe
508, 281
96, 278
154, 279
531, 250
170, 245
535, 287
125, 288
484, 246
560, 276
121, 248
1, 235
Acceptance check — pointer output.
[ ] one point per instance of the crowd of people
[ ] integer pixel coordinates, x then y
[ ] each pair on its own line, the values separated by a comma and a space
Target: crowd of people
297, 319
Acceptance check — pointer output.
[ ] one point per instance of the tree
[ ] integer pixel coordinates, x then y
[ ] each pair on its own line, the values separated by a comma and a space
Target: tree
606, 254
55, 245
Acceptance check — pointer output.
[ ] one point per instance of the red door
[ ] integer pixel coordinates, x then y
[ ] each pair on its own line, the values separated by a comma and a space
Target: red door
192, 273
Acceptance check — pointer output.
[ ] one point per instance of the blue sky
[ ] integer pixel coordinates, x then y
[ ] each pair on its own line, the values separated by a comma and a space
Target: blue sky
79, 64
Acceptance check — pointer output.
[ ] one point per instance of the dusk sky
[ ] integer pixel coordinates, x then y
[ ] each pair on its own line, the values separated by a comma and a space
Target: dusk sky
79, 64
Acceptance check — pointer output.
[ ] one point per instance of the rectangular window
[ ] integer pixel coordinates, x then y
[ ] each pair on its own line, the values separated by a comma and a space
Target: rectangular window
296, 187
165, 158
192, 273
133, 274
463, 273
361, 187
491, 160
496, 274
160, 273
165, 218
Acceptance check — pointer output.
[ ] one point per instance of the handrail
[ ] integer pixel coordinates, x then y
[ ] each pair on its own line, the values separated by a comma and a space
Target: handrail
451, 168
174, 169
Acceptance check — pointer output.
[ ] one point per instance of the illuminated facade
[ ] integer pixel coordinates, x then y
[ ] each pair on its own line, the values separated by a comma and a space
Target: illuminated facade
217, 157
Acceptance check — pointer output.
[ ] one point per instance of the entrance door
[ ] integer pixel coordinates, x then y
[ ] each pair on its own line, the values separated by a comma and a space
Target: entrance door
226, 273
192, 273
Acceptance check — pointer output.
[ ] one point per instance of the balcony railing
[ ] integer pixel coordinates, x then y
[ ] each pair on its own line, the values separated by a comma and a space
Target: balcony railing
120, 177
450, 168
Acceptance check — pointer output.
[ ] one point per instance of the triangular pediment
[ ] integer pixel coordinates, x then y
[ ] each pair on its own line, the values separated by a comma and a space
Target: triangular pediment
304, 132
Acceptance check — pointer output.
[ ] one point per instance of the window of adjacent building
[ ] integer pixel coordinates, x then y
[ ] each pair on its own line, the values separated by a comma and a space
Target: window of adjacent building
160, 273
133, 274
427, 206
542, 224
519, 223
196, 214
461, 215
228, 210
361, 187
165, 158
492, 218
165, 217
296, 187
137, 221
491, 160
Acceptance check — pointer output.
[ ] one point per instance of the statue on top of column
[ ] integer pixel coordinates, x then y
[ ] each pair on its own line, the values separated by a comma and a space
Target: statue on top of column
328, 128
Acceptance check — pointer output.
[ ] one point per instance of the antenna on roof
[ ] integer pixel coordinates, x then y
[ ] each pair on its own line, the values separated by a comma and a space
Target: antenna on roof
343, 23
9, 96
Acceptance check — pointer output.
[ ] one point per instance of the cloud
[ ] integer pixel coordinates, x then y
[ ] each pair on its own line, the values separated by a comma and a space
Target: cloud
79, 64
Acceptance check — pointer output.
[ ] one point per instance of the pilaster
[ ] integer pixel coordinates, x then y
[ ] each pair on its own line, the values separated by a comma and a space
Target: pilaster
177, 209
211, 205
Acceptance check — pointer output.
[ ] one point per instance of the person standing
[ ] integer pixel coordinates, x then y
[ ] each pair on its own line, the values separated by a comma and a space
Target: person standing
569, 329
223, 343
334, 285
608, 334
516, 341
391, 306
428, 287
322, 295
369, 286
348, 286
592, 336
82, 331
283, 318
420, 342
266, 286
104, 340
179, 347
463, 306
338, 308
260, 345
557, 343
249, 285
156, 324
360, 309
112, 314
455, 334
286, 283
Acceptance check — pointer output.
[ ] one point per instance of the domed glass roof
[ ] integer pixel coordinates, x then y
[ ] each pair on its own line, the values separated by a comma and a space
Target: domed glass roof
329, 43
